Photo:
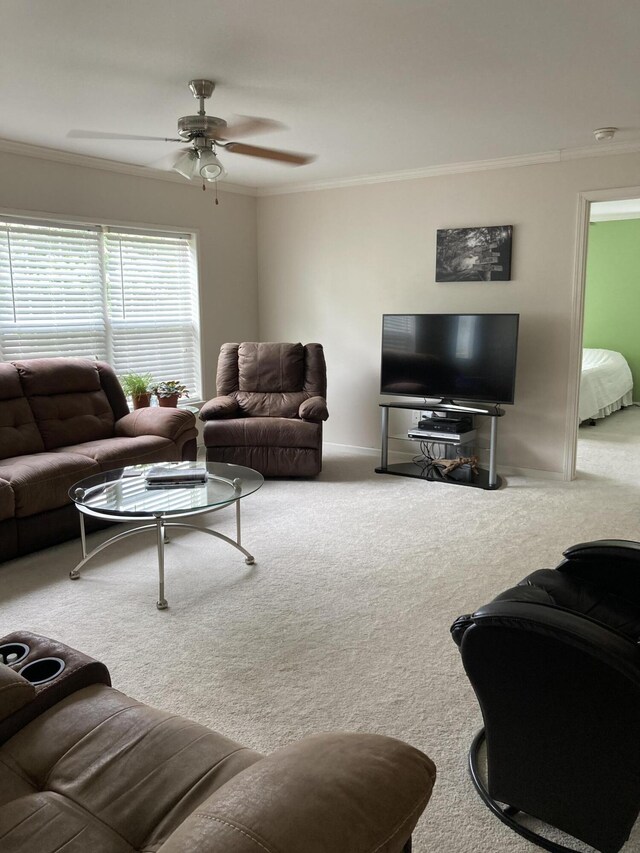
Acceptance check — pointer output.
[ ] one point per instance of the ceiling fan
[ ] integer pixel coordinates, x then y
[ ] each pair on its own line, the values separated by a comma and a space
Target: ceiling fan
204, 135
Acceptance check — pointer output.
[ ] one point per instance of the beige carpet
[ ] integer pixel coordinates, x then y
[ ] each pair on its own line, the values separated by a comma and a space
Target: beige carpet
343, 623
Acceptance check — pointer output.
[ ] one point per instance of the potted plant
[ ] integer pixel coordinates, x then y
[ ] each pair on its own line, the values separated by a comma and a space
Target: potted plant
169, 392
137, 386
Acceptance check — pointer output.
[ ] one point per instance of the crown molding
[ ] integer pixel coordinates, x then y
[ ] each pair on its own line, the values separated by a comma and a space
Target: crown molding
607, 149
600, 149
69, 158
561, 155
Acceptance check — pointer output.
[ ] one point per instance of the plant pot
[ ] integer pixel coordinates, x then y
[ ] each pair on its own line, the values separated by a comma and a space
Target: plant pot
141, 401
169, 401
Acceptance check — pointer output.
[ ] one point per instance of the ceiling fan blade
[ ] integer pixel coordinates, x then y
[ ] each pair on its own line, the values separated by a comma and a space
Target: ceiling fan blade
248, 126
92, 134
289, 157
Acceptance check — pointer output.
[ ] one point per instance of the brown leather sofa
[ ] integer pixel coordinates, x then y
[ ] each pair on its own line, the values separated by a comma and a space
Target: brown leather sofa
63, 419
86, 769
269, 410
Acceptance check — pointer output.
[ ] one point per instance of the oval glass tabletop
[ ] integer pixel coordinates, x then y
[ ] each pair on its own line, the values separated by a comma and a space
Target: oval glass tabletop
127, 491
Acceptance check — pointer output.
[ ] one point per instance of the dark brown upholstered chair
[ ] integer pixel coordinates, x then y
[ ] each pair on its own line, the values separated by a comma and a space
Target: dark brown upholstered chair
86, 769
269, 410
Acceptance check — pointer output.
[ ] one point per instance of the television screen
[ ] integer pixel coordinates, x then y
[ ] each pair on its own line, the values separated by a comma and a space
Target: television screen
453, 356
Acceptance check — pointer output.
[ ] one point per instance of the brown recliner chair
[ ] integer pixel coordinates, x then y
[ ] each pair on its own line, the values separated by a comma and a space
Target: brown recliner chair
269, 410
86, 769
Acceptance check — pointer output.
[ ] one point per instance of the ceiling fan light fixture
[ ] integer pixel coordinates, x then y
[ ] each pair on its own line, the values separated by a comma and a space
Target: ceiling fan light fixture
187, 164
210, 168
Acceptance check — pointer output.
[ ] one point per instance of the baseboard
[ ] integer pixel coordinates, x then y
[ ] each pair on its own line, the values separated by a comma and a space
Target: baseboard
366, 451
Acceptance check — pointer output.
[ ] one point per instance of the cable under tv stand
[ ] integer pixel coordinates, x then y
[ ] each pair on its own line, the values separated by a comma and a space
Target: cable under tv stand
484, 479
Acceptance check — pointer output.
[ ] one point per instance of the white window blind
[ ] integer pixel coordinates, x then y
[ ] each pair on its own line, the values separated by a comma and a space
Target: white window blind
153, 307
50, 292
127, 297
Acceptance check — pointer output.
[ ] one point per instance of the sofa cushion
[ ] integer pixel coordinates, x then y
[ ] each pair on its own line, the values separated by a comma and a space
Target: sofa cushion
269, 367
7, 501
52, 824
138, 770
120, 452
262, 432
18, 431
271, 405
47, 376
41, 481
67, 400
10, 386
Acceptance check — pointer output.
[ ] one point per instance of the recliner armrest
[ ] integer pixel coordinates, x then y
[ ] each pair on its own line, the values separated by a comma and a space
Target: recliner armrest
612, 564
219, 407
155, 420
574, 629
314, 409
324, 794
619, 549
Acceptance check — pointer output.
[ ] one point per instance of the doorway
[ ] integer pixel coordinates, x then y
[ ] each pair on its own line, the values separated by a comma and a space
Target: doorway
605, 379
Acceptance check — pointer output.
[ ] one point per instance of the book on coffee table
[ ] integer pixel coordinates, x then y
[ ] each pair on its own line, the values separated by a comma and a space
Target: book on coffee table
159, 476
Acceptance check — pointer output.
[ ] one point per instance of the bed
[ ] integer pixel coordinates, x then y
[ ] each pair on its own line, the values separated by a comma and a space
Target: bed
606, 384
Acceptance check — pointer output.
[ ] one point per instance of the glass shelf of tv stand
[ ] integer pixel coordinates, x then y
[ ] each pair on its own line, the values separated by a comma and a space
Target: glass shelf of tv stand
484, 479
442, 439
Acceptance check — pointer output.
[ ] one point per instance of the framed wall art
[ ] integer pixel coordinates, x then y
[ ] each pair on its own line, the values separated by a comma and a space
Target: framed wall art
474, 254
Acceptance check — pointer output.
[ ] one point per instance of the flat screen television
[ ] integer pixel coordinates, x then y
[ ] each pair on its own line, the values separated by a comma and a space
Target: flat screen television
450, 356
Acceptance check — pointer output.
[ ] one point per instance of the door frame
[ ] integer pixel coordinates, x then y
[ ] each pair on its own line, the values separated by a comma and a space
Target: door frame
585, 200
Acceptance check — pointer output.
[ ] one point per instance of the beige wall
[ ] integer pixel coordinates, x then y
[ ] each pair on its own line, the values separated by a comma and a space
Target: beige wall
226, 232
331, 262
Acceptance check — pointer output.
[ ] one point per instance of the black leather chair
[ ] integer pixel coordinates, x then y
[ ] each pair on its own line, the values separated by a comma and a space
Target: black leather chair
555, 665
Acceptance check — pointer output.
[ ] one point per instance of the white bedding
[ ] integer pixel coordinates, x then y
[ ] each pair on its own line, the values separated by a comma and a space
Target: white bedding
606, 383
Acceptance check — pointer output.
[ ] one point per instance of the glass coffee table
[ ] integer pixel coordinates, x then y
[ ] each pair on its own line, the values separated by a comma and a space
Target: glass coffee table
124, 495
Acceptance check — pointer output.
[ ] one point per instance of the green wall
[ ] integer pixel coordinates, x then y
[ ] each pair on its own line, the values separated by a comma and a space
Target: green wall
612, 299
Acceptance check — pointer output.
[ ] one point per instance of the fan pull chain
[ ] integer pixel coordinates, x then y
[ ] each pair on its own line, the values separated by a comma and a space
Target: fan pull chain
204, 187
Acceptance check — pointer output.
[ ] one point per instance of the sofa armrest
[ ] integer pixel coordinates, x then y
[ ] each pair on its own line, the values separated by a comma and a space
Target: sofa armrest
314, 409
324, 794
219, 407
155, 420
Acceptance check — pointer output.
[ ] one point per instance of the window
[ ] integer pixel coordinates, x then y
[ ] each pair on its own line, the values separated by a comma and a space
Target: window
123, 296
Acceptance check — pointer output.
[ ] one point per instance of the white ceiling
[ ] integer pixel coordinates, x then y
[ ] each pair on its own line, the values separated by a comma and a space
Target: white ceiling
370, 86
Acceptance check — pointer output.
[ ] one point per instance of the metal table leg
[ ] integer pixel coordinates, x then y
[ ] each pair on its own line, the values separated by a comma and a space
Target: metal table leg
83, 536
161, 526
160, 533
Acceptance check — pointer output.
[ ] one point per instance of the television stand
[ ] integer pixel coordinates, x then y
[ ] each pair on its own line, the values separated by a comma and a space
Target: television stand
484, 479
